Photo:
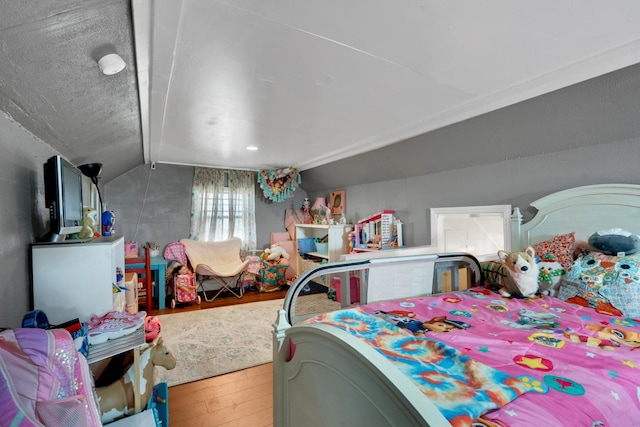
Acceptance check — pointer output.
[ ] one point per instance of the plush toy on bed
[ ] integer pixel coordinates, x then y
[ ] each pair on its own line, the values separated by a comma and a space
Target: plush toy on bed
551, 273
615, 241
521, 273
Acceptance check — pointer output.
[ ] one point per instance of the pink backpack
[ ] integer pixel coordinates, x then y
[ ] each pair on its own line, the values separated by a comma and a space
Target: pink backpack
44, 381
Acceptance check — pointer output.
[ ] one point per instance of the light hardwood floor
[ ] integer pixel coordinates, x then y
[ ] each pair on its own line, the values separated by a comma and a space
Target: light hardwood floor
243, 398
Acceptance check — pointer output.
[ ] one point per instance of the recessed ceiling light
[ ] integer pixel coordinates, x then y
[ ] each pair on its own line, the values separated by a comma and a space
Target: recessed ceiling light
252, 148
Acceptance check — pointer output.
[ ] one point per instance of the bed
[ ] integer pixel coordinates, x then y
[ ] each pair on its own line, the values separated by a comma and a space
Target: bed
428, 345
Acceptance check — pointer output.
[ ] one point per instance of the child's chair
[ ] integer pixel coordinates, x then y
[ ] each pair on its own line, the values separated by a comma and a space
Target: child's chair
142, 266
218, 262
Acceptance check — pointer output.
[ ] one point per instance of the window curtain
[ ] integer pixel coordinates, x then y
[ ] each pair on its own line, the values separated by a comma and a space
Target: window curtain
223, 206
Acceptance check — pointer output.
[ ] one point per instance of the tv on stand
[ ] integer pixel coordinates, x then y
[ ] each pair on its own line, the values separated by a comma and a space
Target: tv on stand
63, 198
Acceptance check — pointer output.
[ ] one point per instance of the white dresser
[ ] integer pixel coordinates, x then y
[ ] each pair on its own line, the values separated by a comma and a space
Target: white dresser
75, 280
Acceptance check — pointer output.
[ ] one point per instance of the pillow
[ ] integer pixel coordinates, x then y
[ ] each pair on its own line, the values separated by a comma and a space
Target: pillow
615, 241
561, 246
494, 274
591, 275
624, 294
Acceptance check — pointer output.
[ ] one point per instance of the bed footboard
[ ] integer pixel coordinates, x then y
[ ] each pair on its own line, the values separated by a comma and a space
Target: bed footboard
334, 379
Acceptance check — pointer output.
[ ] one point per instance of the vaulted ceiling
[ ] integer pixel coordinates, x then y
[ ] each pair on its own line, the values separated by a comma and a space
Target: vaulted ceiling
307, 83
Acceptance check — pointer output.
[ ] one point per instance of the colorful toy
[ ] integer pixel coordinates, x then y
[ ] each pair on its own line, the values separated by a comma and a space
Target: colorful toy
117, 399
182, 283
108, 221
522, 273
152, 328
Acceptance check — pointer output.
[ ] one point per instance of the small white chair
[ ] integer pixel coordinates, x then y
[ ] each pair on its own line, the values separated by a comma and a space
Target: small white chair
219, 262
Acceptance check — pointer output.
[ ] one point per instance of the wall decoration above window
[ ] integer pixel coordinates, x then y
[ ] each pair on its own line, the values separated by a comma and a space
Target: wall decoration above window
279, 184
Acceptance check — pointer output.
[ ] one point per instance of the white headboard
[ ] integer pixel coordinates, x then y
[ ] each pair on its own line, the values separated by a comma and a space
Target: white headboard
583, 210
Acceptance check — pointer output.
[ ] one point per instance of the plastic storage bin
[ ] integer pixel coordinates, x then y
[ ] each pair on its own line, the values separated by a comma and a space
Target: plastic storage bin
322, 248
307, 245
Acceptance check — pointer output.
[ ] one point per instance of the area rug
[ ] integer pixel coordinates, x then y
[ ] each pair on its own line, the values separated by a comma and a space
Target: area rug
218, 340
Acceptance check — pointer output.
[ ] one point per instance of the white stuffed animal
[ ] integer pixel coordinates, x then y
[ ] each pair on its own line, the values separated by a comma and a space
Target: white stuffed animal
275, 253
522, 272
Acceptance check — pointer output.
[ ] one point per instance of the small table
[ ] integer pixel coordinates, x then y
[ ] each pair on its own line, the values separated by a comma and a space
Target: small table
158, 267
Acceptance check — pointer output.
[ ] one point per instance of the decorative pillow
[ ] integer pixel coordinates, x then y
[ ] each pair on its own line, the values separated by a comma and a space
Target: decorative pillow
624, 294
615, 241
595, 272
568, 289
561, 246
494, 274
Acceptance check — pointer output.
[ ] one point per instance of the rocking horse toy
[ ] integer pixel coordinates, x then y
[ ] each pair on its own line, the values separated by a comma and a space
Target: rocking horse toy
117, 399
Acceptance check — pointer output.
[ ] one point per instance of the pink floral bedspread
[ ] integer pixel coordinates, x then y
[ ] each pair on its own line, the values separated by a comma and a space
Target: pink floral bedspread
582, 367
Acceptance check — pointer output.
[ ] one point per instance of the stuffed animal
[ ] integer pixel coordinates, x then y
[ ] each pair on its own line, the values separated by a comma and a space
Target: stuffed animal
551, 272
615, 241
89, 223
522, 273
275, 253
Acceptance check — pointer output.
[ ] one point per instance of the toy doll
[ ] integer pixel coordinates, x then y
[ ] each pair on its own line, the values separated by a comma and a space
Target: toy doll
184, 278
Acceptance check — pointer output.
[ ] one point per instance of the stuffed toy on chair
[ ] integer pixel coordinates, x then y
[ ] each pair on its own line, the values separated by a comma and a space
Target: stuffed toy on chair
521, 278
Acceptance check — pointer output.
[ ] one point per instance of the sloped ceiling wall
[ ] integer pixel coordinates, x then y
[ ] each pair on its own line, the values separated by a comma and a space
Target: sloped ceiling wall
601, 110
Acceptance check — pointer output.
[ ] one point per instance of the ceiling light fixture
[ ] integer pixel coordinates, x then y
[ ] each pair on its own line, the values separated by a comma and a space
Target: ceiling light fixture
111, 64
252, 148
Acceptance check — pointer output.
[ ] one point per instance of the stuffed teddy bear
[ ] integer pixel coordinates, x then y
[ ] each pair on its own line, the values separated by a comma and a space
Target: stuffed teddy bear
521, 278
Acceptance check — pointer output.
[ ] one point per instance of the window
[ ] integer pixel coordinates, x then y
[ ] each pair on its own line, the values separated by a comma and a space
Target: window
479, 230
223, 206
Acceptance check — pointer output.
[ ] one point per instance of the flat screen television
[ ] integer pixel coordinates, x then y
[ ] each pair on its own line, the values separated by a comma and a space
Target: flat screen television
63, 197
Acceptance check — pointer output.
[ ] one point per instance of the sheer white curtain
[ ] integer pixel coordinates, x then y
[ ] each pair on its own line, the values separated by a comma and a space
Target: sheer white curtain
223, 206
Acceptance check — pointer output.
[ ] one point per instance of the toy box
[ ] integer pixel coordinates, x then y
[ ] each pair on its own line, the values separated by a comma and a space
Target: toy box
272, 276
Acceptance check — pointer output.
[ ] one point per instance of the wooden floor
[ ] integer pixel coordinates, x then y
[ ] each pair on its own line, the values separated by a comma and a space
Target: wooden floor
242, 398
226, 298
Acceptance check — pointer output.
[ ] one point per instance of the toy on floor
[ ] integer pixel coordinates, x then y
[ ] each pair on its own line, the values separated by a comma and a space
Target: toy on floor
116, 400
182, 284
275, 261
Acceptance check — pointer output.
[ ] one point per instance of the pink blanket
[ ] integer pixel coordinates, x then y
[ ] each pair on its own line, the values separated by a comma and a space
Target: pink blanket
580, 365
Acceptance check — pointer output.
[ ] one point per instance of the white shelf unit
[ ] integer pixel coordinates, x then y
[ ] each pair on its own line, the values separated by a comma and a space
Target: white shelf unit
338, 243
74, 280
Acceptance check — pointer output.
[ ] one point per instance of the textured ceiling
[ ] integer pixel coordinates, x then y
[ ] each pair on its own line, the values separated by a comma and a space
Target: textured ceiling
308, 83
51, 85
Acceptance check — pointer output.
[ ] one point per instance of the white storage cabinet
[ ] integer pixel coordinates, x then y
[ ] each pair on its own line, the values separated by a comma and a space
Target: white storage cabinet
74, 280
337, 240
